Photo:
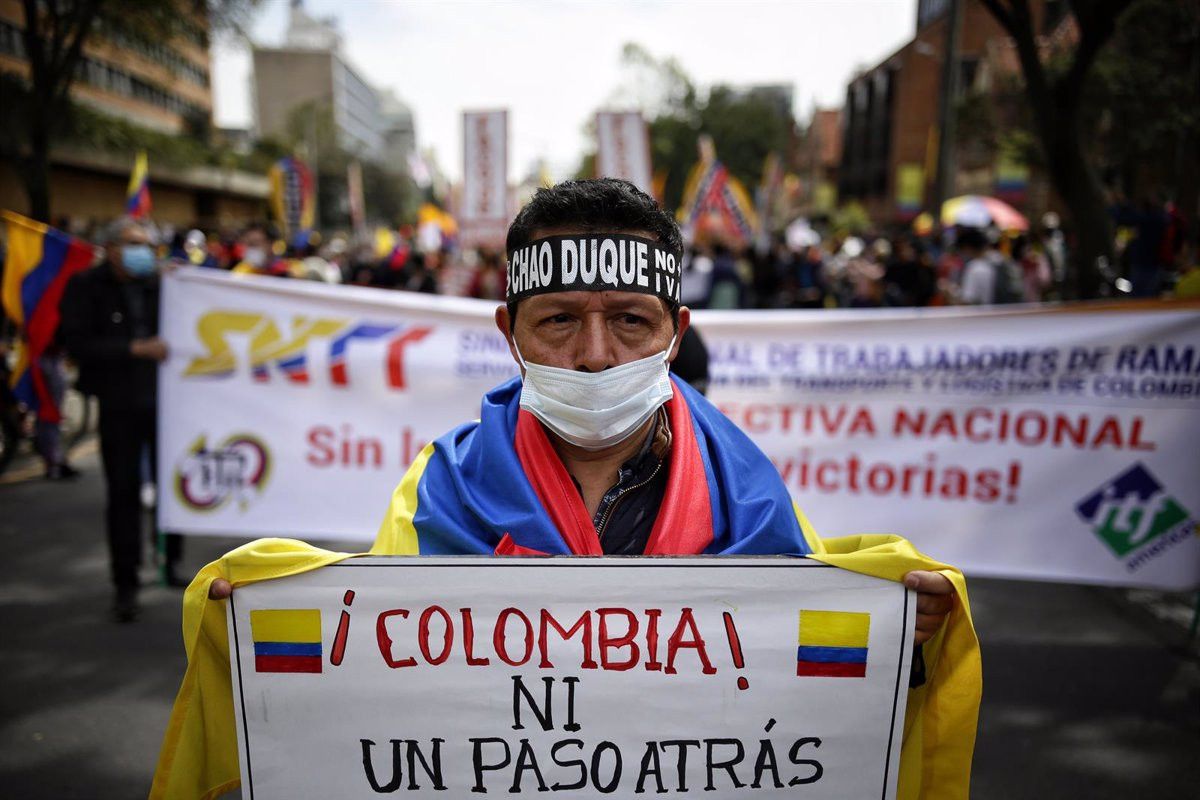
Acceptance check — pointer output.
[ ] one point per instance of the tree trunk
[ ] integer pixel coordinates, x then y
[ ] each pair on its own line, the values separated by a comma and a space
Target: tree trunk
36, 171
1079, 187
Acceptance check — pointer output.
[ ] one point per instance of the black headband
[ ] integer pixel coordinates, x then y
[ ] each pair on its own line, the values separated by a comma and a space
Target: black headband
593, 263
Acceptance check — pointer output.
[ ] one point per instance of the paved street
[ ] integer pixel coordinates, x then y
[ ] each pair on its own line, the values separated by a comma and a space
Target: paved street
1087, 692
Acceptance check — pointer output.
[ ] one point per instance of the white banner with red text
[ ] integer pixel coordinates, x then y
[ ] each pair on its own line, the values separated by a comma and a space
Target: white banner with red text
582, 677
1042, 443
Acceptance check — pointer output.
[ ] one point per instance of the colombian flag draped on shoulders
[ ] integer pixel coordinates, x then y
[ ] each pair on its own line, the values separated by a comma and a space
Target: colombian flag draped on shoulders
39, 263
497, 486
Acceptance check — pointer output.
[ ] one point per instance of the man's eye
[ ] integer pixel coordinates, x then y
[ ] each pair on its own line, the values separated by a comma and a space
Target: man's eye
632, 319
558, 319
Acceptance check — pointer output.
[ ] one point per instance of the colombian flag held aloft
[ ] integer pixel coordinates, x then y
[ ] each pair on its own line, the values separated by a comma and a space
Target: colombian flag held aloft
137, 196
292, 199
40, 262
715, 203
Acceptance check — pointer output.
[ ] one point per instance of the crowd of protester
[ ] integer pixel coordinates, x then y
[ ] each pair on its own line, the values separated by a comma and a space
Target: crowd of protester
817, 269
804, 266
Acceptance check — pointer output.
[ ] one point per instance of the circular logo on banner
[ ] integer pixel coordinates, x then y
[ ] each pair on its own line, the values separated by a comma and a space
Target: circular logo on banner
207, 478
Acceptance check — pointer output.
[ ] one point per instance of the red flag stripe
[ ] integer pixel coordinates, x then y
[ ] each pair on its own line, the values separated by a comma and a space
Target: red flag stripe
287, 663
831, 670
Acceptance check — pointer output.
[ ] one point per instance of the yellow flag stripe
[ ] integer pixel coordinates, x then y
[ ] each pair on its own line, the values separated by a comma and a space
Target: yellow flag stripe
300, 626
397, 533
834, 628
26, 240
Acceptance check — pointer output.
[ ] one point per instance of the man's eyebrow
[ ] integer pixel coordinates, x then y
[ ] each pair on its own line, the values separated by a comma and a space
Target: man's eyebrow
555, 307
638, 305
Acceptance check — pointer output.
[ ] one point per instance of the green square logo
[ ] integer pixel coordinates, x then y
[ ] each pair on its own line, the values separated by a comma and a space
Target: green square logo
1130, 511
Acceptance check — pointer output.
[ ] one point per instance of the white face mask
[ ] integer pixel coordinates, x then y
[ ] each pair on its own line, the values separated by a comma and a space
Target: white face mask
255, 257
595, 410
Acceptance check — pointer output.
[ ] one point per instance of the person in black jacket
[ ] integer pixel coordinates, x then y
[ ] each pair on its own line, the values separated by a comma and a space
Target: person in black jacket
110, 326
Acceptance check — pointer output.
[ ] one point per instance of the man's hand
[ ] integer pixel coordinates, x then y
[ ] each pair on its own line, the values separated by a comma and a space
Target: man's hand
152, 348
220, 589
935, 598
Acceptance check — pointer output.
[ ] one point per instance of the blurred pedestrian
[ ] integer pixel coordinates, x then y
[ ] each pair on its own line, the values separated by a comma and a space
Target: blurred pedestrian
1035, 269
489, 280
808, 278
110, 327
1188, 286
258, 256
1149, 223
906, 280
691, 362
728, 290
47, 436
978, 285
419, 275
696, 280
863, 274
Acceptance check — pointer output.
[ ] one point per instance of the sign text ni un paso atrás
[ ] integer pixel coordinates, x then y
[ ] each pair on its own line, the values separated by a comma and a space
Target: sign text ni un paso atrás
578, 677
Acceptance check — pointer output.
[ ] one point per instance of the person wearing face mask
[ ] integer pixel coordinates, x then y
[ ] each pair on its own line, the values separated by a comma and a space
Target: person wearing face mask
258, 256
595, 450
110, 327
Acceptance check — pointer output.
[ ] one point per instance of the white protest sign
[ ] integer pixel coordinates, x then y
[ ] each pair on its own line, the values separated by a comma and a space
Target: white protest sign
623, 148
578, 677
483, 215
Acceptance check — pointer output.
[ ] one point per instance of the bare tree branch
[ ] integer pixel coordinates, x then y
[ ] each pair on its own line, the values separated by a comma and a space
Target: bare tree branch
34, 46
1097, 21
88, 10
1000, 12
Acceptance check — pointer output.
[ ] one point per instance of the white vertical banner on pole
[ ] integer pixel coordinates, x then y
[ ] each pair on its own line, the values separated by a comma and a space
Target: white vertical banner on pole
623, 148
483, 214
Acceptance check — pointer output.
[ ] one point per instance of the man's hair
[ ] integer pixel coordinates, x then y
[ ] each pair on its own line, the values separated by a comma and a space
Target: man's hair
114, 232
265, 228
602, 205
971, 239
599, 205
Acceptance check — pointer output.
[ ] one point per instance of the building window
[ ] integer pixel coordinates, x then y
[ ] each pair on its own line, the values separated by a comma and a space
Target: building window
968, 71
11, 42
112, 79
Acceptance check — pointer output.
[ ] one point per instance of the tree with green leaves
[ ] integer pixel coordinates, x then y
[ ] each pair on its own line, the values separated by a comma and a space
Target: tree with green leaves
36, 112
1055, 86
1144, 103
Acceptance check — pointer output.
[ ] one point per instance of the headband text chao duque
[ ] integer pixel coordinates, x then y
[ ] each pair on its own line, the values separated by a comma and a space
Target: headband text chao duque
614, 262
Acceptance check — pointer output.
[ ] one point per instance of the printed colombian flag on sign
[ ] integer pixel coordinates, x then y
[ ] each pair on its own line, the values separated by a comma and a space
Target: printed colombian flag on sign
286, 640
833, 644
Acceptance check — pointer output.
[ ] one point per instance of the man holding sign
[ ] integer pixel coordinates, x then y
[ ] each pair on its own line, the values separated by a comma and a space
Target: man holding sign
596, 451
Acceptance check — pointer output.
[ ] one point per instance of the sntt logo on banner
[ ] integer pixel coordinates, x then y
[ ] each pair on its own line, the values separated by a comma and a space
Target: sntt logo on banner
289, 354
1133, 514
238, 468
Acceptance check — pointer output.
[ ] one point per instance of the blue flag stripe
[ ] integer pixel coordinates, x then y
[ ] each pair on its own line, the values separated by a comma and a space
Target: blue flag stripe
832, 655
286, 649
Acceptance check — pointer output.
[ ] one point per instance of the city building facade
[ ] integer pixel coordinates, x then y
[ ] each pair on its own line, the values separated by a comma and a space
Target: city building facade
163, 86
890, 124
310, 72
818, 161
